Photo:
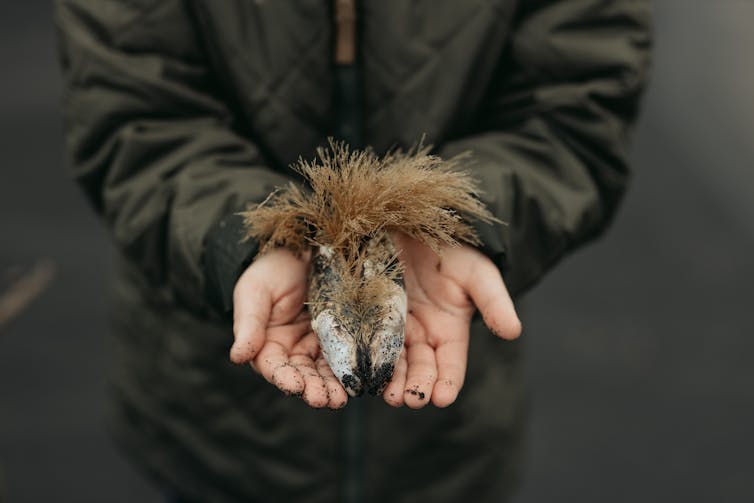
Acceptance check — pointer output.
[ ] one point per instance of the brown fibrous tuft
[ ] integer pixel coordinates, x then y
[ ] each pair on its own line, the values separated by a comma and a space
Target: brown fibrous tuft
356, 195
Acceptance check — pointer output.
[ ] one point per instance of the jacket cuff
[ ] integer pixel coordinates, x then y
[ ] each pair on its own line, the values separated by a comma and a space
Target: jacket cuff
492, 243
226, 256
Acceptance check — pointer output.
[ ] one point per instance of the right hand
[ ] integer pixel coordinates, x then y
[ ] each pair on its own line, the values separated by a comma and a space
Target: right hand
272, 330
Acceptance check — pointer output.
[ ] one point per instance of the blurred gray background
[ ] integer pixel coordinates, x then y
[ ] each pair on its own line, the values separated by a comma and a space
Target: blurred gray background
639, 347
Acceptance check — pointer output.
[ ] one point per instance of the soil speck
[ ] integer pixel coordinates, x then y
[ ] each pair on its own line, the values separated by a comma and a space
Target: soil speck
416, 392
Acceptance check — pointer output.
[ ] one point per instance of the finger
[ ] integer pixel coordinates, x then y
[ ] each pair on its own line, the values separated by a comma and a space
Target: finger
420, 376
303, 315
337, 396
451, 370
421, 372
393, 393
272, 362
315, 390
251, 310
488, 292
308, 345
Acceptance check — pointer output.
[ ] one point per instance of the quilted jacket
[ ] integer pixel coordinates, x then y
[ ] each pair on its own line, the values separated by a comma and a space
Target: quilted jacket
181, 112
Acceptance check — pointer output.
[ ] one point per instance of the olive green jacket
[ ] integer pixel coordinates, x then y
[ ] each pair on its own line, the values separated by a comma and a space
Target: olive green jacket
180, 112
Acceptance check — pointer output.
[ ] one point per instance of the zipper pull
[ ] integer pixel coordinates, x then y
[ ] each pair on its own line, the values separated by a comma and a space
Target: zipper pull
345, 32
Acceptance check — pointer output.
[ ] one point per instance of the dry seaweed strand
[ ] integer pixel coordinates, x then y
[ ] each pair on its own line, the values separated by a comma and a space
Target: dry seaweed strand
356, 195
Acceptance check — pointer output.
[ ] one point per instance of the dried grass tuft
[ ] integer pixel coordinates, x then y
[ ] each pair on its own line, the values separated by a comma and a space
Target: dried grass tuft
356, 195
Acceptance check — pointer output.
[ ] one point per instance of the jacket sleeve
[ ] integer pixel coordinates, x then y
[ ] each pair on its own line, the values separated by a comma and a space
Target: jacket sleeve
552, 146
154, 144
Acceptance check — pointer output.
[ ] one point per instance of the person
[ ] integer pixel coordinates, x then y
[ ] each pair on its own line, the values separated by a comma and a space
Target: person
180, 113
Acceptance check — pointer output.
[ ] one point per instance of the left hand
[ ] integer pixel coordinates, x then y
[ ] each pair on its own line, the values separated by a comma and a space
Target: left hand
443, 292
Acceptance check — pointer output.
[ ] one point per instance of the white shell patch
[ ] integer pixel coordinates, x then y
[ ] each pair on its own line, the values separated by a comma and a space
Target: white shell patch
338, 347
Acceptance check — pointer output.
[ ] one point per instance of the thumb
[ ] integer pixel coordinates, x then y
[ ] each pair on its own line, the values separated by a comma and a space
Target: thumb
252, 303
487, 290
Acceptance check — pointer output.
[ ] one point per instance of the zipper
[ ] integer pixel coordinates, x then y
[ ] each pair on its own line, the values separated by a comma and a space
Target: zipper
347, 74
352, 442
349, 129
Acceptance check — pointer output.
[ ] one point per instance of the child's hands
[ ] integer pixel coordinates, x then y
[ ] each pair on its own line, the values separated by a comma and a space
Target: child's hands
272, 328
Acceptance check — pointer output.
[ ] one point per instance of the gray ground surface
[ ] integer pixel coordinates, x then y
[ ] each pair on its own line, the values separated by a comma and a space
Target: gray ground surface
639, 348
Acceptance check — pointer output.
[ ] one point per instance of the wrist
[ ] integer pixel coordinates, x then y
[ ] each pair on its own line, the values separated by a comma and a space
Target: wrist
226, 256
